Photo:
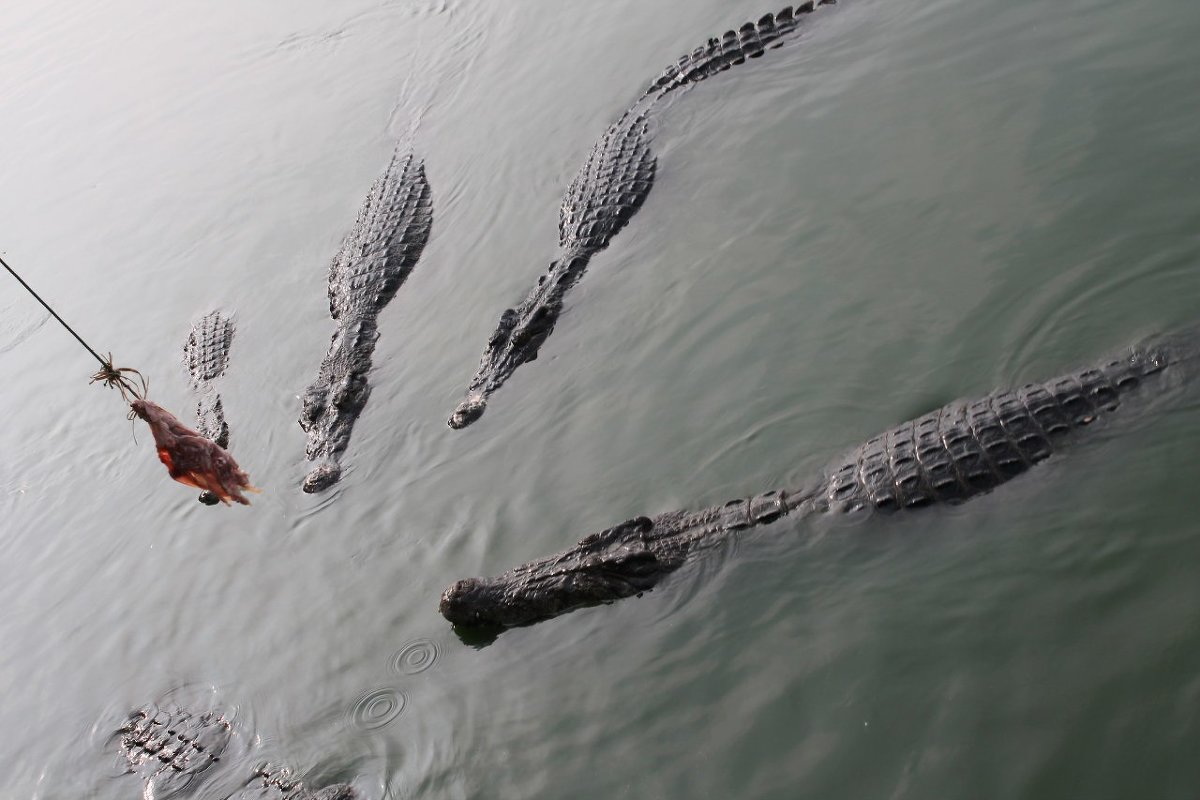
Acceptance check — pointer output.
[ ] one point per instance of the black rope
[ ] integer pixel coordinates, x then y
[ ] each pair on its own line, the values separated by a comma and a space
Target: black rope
120, 378
28, 288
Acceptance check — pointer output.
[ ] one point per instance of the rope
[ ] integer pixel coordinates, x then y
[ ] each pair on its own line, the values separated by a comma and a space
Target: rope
113, 377
53, 313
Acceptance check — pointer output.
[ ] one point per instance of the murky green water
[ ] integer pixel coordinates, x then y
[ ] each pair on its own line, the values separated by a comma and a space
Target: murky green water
922, 200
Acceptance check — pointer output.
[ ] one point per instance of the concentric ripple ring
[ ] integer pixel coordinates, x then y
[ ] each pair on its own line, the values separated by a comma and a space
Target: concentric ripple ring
377, 708
416, 656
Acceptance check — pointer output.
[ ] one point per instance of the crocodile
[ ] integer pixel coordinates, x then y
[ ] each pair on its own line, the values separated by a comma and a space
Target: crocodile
375, 259
206, 357
175, 751
272, 783
607, 191
171, 748
950, 455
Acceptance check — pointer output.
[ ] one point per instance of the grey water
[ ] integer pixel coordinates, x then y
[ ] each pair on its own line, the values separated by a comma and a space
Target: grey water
916, 201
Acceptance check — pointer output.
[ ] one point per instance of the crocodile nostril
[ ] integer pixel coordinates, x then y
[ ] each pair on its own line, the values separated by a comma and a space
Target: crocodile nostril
467, 412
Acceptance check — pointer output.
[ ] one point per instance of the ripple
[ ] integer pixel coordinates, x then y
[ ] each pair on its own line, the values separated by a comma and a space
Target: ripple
17, 324
377, 708
416, 656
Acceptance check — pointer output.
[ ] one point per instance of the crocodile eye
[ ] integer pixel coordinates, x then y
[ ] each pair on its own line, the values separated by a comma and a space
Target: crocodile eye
314, 407
498, 337
508, 321
350, 394
541, 319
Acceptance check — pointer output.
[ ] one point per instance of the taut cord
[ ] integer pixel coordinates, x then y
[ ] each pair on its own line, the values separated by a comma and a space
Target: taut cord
114, 377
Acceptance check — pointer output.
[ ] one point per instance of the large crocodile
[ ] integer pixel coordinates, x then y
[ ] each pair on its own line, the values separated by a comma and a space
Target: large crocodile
375, 259
174, 751
950, 455
206, 356
607, 191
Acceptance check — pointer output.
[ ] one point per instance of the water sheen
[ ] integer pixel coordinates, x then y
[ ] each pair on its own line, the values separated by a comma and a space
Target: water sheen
920, 200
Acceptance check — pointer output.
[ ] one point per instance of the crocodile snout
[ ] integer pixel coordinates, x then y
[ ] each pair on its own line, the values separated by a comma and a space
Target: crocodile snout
321, 478
466, 603
467, 412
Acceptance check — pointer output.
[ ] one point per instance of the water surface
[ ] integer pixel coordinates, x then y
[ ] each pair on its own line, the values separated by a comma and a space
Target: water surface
918, 201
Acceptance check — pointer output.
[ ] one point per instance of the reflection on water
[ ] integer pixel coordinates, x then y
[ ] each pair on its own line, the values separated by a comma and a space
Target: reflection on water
920, 201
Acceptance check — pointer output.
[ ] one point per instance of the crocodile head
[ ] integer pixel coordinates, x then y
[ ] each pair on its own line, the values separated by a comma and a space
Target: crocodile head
468, 411
331, 406
516, 341
603, 567
328, 417
518, 338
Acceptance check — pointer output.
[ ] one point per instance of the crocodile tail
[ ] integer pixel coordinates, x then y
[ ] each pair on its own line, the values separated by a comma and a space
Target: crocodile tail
734, 47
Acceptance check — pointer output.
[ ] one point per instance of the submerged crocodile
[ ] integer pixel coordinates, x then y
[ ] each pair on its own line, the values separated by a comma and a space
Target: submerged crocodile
375, 259
174, 751
271, 783
950, 455
605, 194
206, 356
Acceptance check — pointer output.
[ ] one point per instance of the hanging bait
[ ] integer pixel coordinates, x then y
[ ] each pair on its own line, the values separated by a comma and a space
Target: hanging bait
192, 459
